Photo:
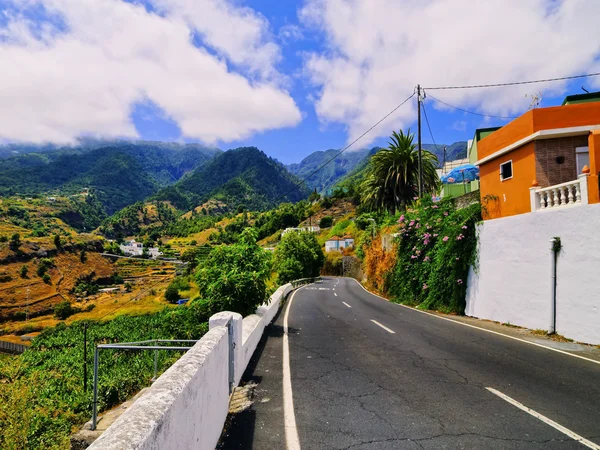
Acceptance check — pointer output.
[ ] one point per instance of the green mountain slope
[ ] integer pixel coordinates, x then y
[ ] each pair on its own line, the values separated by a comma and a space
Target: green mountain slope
120, 174
458, 150
241, 177
332, 172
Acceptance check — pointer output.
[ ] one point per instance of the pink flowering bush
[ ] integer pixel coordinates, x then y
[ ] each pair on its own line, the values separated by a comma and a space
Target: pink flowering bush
433, 260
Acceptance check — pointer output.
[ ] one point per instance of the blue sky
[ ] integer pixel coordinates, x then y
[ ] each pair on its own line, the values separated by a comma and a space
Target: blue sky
287, 77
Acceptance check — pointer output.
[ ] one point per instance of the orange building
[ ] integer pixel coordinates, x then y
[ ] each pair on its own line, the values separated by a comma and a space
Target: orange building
547, 158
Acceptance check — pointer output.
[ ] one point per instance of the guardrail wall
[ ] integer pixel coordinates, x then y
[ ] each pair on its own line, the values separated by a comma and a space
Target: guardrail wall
187, 406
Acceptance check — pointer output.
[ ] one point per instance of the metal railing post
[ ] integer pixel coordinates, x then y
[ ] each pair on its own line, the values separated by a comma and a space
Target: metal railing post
231, 355
95, 405
155, 365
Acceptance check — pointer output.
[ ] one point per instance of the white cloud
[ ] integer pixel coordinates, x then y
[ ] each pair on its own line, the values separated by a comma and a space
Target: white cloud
290, 33
56, 84
239, 33
377, 51
459, 125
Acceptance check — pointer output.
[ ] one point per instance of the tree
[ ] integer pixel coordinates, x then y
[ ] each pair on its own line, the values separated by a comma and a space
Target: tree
46, 278
83, 255
128, 287
63, 310
57, 241
314, 196
298, 255
234, 277
326, 222
172, 294
24, 271
15, 242
392, 177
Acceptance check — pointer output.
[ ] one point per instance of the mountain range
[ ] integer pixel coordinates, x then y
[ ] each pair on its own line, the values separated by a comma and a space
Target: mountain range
244, 177
121, 173
118, 173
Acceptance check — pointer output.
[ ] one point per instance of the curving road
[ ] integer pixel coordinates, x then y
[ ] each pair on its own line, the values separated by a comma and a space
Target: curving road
369, 374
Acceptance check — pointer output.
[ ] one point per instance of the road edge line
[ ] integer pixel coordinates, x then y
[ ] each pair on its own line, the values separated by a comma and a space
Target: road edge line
292, 441
546, 420
389, 330
479, 328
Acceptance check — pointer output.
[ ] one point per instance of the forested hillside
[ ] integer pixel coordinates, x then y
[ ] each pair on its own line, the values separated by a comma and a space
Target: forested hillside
120, 174
331, 173
244, 177
351, 162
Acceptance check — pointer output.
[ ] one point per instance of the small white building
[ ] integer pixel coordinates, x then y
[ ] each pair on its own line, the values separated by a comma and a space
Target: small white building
133, 248
336, 244
314, 229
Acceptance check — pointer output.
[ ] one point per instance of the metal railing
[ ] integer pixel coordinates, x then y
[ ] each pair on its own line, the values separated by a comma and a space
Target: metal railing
140, 345
11, 347
303, 281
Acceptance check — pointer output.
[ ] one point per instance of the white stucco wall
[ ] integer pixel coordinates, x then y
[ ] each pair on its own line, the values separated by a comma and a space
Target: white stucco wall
513, 281
187, 406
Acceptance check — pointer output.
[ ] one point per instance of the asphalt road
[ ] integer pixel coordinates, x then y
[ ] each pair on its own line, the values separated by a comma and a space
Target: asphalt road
368, 374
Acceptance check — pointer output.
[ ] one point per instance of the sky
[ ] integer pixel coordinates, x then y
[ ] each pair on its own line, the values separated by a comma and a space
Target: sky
287, 77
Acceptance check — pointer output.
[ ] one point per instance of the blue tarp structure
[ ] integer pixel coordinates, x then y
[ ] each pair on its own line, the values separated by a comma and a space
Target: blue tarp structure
462, 174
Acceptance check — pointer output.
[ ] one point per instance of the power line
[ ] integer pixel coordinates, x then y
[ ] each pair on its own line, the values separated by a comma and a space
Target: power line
470, 112
429, 127
514, 83
345, 148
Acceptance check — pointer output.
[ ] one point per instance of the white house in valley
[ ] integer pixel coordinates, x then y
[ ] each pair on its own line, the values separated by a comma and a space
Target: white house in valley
134, 248
314, 229
336, 244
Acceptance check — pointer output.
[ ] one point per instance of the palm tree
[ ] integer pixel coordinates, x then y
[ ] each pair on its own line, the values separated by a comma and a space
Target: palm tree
392, 176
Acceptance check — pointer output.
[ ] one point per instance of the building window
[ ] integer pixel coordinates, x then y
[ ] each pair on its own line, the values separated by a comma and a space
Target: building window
506, 171
583, 158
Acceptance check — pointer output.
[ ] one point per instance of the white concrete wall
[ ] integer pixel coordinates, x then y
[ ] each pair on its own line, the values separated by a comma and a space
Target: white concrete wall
187, 406
513, 281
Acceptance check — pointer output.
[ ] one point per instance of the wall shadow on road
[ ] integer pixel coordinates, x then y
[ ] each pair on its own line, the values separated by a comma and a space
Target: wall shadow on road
239, 429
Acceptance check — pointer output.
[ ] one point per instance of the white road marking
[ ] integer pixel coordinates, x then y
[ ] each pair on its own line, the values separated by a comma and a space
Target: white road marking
383, 326
335, 294
482, 329
544, 419
347, 304
291, 431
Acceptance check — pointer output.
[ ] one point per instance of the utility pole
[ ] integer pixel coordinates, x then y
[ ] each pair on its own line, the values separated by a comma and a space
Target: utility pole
444, 162
85, 327
420, 143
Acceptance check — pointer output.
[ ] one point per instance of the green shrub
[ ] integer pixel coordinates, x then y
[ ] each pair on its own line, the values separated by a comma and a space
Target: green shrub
298, 255
326, 222
15, 242
437, 246
24, 271
3, 238
64, 310
172, 294
46, 278
234, 277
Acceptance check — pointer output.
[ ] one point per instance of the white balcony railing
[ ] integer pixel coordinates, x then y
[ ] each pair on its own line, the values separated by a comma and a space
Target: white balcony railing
571, 193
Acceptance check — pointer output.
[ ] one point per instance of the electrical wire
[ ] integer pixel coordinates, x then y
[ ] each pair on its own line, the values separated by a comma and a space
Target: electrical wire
431, 133
515, 83
469, 112
305, 179
428, 126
